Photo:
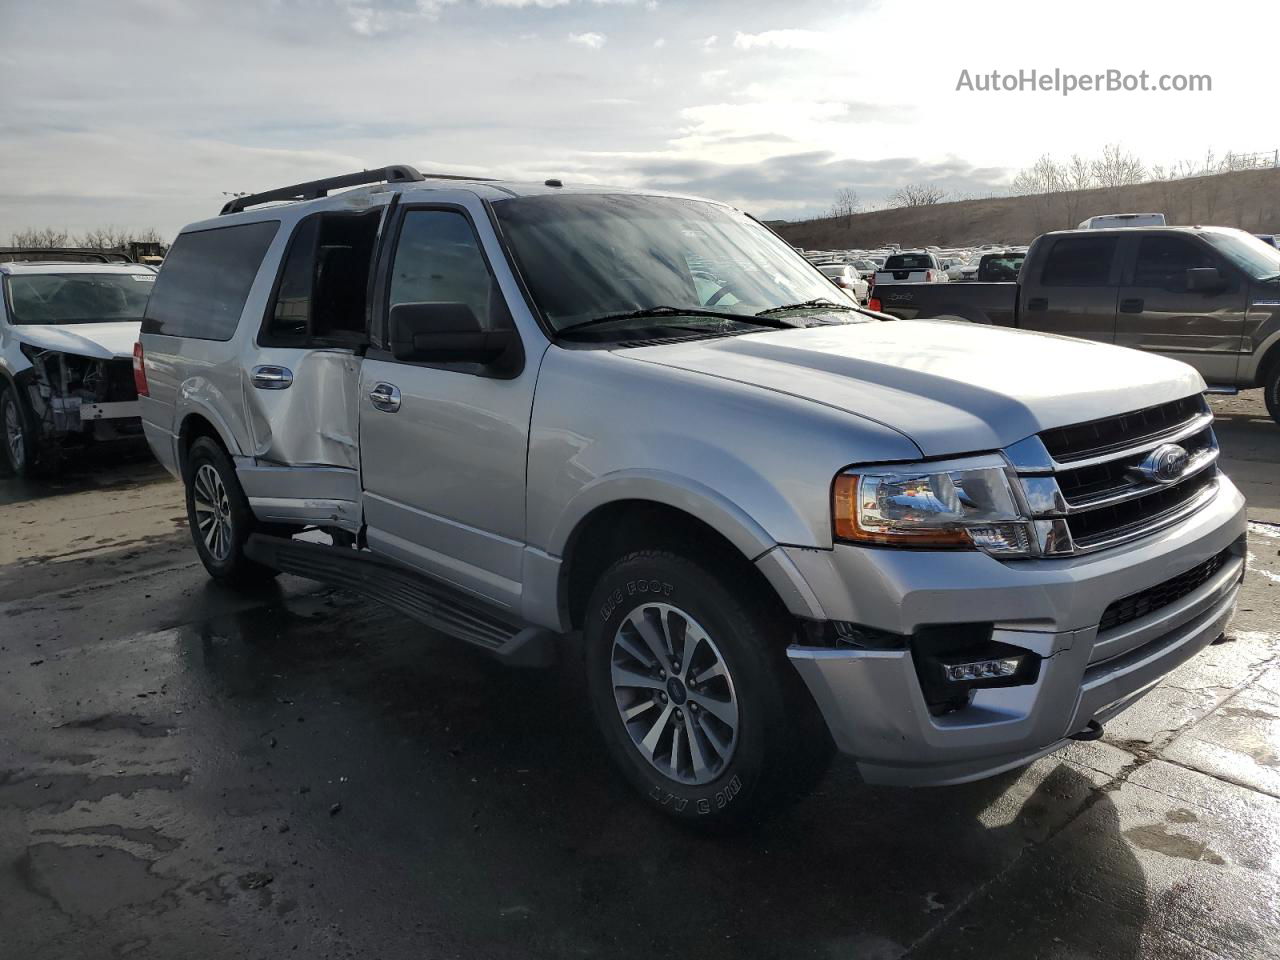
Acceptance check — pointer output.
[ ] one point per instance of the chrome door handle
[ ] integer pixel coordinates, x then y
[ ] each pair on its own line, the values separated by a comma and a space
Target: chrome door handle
270, 377
385, 397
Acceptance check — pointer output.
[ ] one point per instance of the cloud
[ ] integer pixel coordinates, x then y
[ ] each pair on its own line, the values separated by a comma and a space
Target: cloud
592, 41
784, 40
805, 182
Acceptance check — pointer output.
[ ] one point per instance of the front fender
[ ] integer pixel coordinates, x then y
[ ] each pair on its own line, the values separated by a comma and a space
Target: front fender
672, 490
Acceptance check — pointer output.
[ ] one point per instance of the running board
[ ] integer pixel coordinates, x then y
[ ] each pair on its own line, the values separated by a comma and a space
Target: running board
1222, 390
416, 595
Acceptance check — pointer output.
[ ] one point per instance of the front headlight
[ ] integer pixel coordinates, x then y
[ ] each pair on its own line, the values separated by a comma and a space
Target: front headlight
931, 505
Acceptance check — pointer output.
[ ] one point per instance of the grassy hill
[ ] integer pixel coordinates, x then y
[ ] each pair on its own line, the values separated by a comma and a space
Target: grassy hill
1248, 199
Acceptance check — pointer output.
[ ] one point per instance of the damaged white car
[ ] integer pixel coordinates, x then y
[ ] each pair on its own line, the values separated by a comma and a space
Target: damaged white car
67, 333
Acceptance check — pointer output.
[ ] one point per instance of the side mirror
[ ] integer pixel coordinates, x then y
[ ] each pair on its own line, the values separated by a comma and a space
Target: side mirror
1204, 280
446, 333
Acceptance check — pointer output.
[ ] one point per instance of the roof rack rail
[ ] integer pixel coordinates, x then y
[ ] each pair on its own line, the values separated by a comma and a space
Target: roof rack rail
61, 255
314, 189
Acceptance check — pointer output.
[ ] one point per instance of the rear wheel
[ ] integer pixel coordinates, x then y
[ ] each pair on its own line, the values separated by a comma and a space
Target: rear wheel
1271, 390
693, 693
219, 516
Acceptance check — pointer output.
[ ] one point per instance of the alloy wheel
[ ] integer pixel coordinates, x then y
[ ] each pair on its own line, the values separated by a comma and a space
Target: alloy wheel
13, 434
674, 693
213, 511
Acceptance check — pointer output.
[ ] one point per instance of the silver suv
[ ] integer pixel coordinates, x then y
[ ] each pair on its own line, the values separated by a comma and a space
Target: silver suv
521, 413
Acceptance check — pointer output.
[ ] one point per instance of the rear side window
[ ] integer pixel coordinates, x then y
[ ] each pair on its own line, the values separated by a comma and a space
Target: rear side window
909, 261
205, 280
322, 294
1079, 262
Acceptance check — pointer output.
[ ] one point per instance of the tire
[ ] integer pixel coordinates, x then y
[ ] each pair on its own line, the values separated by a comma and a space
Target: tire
754, 728
1271, 390
219, 516
18, 458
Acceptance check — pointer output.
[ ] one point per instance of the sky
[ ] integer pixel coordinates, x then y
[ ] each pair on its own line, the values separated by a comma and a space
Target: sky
144, 113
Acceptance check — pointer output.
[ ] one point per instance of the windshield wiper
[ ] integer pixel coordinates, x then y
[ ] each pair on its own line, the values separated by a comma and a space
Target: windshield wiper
821, 302
664, 311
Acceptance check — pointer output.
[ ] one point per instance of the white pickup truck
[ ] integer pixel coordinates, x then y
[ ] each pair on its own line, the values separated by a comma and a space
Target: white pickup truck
920, 266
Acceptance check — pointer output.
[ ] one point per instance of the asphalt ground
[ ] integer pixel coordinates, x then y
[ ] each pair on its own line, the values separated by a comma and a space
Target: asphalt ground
188, 772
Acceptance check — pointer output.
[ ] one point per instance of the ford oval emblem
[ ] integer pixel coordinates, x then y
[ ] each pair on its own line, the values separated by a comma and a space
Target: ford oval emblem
1164, 464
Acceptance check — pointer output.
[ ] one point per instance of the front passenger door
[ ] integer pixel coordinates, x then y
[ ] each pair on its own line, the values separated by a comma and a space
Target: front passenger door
1158, 314
443, 446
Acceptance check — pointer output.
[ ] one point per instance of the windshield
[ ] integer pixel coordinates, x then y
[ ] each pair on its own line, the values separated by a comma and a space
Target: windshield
1256, 258
56, 298
909, 261
590, 256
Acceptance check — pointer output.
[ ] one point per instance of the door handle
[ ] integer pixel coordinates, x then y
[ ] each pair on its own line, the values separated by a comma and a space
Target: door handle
270, 377
385, 397
1133, 305
1038, 303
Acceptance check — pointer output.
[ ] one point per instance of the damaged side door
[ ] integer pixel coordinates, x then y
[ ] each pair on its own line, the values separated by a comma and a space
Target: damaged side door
300, 383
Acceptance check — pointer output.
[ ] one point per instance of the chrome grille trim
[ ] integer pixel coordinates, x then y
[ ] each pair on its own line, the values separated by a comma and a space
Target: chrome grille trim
1065, 492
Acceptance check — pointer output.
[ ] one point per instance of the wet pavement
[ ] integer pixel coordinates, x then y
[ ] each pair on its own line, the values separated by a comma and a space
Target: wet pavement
190, 772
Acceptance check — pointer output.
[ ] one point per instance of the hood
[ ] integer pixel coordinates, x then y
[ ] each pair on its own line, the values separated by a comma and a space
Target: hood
101, 341
953, 388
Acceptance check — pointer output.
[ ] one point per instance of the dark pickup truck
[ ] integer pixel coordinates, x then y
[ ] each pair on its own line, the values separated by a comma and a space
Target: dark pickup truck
1209, 296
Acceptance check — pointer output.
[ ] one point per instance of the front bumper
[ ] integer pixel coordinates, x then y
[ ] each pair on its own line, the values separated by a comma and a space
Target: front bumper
872, 700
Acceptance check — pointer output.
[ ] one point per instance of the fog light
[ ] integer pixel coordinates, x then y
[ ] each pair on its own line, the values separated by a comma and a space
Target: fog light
982, 669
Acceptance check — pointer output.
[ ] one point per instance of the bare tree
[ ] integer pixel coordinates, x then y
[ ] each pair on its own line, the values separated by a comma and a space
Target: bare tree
42, 238
1117, 167
846, 205
917, 195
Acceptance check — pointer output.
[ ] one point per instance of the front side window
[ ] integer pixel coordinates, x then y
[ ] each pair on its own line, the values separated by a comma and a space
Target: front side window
204, 282
1163, 261
58, 298
438, 260
586, 257
1079, 262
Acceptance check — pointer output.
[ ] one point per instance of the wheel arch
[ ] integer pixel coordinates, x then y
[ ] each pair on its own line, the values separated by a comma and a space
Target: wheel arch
616, 527
200, 423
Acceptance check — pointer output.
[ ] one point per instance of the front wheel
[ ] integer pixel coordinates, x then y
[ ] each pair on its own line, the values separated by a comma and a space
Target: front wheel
219, 516
19, 453
693, 693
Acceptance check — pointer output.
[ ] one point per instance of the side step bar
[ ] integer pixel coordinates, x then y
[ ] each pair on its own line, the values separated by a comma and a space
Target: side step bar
1222, 390
416, 595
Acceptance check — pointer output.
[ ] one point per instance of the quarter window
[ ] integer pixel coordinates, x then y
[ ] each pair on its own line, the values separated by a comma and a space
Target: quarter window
204, 281
1079, 262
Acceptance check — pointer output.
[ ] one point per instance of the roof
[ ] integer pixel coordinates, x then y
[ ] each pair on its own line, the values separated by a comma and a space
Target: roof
485, 189
1125, 231
27, 267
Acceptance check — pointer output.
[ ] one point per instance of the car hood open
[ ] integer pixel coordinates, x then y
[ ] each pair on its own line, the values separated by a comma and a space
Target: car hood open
102, 341
953, 388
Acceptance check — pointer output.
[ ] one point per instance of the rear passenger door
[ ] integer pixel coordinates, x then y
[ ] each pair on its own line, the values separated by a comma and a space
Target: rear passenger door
1158, 314
443, 445
300, 382
1075, 290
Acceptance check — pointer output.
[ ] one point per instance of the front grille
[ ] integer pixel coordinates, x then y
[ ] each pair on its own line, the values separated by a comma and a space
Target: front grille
1095, 437
1096, 525
1138, 605
1084, 480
